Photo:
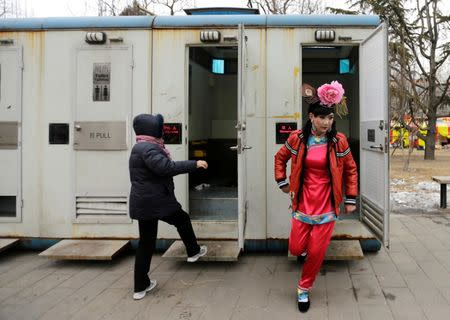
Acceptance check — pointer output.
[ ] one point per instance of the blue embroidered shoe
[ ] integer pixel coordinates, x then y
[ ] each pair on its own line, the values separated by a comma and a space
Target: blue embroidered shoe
303, 300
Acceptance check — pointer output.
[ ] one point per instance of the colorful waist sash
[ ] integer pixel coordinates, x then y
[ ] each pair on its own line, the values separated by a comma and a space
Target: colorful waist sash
314, 219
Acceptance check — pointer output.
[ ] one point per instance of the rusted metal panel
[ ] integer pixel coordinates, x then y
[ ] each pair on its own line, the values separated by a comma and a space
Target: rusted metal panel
9, 135
6, 243
85, 249
340, 250
217, 251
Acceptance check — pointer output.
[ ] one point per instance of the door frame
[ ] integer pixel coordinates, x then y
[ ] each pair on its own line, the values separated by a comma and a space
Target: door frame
240, 232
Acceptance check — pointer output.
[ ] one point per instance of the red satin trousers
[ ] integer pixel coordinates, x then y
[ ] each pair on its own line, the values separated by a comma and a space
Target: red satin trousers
314, 239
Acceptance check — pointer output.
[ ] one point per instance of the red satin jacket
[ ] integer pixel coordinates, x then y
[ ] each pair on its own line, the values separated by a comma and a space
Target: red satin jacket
342, 168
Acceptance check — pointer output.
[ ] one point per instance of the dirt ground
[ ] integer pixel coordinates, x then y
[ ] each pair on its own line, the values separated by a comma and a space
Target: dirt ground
420, 170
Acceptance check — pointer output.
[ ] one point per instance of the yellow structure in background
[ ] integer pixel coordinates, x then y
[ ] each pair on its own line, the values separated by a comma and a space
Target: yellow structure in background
442, 133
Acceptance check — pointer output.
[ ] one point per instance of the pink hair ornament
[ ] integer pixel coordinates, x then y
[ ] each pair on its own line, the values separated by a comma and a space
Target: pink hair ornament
329, 95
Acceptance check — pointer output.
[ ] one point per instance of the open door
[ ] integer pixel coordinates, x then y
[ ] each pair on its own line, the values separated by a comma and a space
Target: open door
242, 146
217, 133
374, 117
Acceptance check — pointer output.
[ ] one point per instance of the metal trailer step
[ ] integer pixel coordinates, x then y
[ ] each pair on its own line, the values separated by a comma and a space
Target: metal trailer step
6, 243
213, 209
213, 229
217, 251
351, 229
341, 250
85, 249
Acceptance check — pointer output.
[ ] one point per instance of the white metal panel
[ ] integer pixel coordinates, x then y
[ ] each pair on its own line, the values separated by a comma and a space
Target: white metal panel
170, 74
11, 66
255, 106
119, 106
50, 211
10, 83
242, 135
374, 155
283, 105
9, 168
103, 173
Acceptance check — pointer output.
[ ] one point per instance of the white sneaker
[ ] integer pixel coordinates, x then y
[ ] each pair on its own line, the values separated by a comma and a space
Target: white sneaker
201, 253
140, 295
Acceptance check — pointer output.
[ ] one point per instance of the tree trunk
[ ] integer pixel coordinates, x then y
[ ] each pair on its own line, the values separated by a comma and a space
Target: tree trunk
430, 139
408, 156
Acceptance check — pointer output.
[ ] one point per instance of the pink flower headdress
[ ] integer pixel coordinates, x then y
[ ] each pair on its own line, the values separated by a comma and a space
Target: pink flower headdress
329, 95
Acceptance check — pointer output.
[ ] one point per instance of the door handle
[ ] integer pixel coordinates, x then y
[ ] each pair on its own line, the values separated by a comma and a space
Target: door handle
235, 148
377, 147
240, 126
246, 147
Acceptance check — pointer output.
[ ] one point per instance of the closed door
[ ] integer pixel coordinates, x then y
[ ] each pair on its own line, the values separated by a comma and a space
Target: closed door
102, 134
10, 134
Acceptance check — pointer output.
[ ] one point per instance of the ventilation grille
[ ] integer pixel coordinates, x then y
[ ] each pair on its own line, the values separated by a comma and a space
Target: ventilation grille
102, 206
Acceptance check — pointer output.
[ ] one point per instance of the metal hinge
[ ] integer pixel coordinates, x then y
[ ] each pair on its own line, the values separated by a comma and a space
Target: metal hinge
386, 144
240, 126
21, 203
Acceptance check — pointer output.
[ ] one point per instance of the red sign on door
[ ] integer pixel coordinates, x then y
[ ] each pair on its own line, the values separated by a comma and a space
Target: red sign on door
283, 130
172, 133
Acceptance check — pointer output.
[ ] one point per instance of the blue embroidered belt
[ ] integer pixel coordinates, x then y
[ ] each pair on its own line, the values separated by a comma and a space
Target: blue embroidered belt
314, 219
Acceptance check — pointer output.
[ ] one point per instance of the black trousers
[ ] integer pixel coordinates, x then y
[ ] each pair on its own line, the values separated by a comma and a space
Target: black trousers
148, 230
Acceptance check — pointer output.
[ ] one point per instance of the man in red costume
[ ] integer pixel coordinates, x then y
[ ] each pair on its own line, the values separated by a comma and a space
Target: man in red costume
321, 163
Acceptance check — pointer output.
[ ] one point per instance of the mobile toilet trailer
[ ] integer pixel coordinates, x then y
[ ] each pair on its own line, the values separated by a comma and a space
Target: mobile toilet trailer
229, 89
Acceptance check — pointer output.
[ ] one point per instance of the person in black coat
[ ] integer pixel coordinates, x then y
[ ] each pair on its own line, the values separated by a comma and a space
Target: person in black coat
152, 197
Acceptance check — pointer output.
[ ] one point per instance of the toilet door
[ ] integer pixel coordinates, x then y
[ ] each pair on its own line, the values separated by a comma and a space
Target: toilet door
374, 117
241, 126
102, 133
11, 67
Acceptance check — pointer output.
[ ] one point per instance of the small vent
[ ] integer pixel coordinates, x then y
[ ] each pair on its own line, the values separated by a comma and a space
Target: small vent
102, 206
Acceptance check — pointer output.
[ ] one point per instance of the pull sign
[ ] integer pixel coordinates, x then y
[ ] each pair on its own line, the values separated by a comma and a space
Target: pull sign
100, 135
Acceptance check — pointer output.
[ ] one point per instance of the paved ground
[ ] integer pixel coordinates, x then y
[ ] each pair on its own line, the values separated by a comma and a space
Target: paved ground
410, 281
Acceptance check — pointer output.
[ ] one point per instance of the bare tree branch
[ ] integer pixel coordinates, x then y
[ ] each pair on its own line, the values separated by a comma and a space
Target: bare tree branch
9, 8
174, 6
109, 7
288, 6
141, 7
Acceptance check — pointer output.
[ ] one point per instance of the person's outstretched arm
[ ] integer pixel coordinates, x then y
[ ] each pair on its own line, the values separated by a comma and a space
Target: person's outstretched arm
161, 165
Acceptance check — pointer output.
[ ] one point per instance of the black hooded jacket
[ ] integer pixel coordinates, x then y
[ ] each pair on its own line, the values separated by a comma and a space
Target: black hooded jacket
151, 173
